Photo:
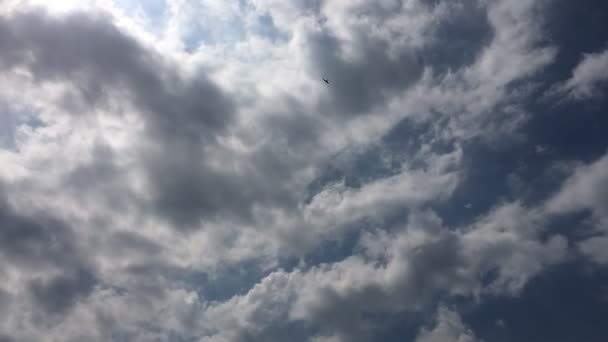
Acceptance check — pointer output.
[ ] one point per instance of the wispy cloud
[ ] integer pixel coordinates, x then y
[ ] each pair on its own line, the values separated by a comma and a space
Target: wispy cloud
588, 78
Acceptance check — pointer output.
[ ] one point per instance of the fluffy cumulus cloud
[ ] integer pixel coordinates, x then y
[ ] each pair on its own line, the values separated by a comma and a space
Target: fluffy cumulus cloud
179, 171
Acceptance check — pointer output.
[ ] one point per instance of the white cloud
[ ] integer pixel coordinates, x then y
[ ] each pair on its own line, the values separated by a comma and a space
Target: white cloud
585, 190
588, 77
396, 272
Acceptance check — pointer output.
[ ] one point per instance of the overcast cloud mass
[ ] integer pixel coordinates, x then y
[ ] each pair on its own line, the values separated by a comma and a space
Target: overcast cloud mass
177, 170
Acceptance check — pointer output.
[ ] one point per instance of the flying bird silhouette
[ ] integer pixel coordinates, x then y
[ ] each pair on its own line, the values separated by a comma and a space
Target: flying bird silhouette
326, 81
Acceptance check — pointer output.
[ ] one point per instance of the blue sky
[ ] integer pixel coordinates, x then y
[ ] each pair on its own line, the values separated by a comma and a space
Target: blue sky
178, 171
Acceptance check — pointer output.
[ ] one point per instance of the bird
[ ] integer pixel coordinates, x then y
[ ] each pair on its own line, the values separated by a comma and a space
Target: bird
326, 81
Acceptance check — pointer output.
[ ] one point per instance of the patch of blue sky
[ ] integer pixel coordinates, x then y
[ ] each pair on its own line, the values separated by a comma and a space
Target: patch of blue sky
209, 32
13, 121
153, 12
192, 40
569, 298
267, 29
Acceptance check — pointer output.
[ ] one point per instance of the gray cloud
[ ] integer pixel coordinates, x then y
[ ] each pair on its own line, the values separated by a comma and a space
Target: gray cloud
356, 86
99, 60
380, 67
61, 292
448, 328
53, 271
36, 241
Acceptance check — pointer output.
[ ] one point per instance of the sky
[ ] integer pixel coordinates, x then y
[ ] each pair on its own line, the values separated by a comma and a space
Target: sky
177, 170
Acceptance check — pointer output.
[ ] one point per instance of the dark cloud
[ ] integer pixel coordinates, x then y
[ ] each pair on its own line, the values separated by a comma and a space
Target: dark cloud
36, 241
188, 193
91, 54
377, 70
183, 115
58, 294
124, 243
5, 301
100, 181
357, 85
45, 248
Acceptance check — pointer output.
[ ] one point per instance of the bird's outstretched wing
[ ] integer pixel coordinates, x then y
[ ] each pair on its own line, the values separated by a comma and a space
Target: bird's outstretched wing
326, 81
